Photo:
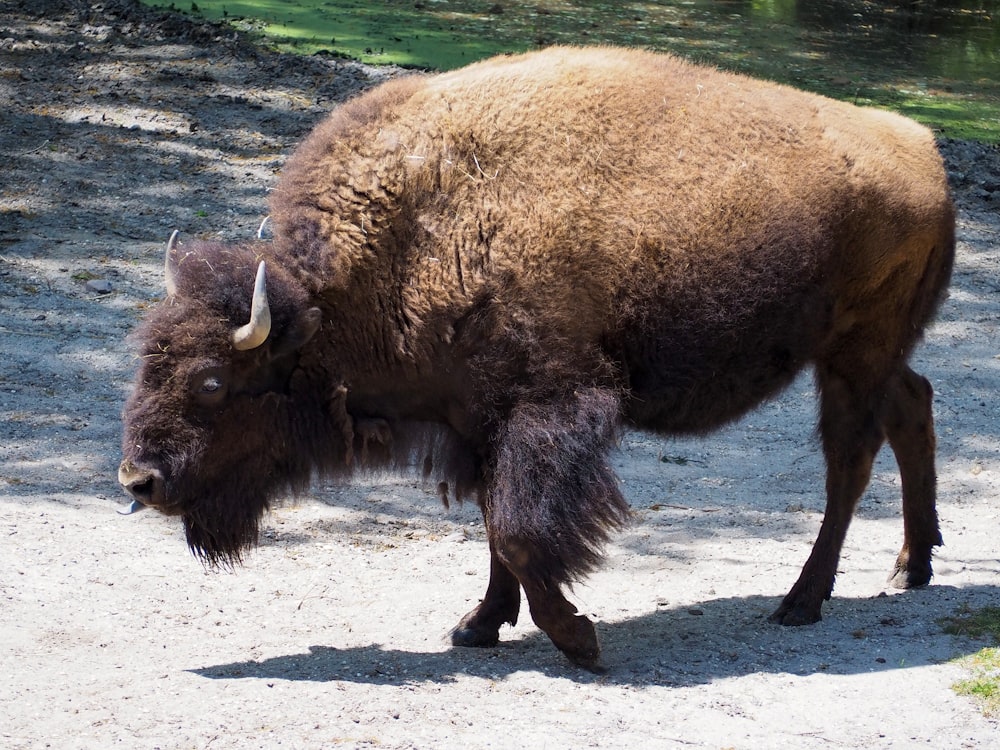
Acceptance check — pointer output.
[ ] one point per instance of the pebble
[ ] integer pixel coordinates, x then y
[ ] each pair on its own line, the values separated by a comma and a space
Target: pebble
99, 286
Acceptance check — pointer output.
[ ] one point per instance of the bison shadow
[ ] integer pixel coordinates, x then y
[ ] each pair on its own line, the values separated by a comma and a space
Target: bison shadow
674, 647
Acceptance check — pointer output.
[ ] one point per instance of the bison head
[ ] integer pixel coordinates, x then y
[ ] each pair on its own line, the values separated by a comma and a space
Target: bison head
228, 409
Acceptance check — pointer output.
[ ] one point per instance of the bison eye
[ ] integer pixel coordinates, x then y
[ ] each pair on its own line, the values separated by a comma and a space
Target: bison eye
211, 384
209, 387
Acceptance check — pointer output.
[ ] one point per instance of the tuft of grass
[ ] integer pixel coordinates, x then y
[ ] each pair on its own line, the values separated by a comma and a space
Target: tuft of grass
974, 623
984, 684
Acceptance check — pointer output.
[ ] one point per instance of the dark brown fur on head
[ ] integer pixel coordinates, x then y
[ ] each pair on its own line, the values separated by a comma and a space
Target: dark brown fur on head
227, 431
218, 434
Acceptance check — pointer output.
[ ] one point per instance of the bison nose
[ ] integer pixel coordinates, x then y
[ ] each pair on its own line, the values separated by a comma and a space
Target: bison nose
146, 486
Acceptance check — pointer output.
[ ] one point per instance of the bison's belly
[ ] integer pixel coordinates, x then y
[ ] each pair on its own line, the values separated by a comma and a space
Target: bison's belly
696, 373
694, 397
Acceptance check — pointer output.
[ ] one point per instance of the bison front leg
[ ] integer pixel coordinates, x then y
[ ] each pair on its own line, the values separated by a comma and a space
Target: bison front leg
551, 503
571, 633
852, 435
501, 604
909, 426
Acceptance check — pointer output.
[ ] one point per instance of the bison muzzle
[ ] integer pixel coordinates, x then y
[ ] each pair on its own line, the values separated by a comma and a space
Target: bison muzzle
487, 274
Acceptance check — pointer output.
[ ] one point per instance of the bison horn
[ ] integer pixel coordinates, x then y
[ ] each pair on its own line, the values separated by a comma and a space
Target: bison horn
168, 265
254, 333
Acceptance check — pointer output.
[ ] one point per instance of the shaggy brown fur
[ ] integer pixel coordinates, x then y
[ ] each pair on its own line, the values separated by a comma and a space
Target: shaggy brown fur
485, 273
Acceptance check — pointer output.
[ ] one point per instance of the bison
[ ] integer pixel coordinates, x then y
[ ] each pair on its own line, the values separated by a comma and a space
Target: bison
487, 274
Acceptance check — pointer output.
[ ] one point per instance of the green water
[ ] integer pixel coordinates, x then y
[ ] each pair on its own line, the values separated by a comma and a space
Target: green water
938, 61
955, 39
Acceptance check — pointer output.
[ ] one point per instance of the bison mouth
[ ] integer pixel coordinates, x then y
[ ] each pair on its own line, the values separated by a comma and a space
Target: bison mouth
147, 488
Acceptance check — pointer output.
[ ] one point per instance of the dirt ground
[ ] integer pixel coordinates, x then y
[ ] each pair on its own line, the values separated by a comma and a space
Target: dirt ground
120, 124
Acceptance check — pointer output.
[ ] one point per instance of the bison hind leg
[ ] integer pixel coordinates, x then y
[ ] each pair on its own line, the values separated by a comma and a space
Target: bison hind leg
909, 427
854, 422
852, 434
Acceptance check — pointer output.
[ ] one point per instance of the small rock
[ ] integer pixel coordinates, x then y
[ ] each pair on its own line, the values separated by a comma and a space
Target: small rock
99, 286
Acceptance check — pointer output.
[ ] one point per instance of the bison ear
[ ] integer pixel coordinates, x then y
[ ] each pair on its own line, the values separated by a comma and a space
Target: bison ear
299, 333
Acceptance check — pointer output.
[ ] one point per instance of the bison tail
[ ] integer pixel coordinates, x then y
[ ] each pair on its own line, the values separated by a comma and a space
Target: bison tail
553, 494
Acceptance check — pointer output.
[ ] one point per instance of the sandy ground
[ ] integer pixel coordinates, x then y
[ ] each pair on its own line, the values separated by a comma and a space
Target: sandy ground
120, 125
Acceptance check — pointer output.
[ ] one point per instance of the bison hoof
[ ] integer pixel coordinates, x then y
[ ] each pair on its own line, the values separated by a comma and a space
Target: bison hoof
589, 659
474, 637
794, 615
901, 578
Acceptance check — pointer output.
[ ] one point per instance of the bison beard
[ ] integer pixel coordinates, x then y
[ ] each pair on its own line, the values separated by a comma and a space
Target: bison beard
219, 537
222, 510
488, 273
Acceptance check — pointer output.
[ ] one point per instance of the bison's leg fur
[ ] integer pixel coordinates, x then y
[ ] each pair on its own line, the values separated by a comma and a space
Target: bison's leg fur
551, 503
481, 626
909, 426
852, 434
